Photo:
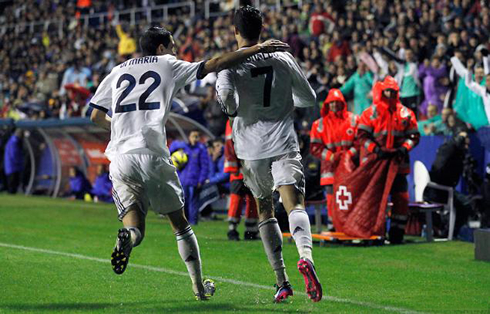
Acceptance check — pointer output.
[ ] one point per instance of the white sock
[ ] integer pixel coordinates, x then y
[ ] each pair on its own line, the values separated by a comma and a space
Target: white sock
189, 252
299, 225
233, 223
136, 237
272, 239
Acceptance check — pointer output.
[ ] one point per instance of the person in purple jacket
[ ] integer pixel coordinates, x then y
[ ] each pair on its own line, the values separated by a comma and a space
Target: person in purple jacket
102, 188
194, 174
14, 161
431, 75
79, 184
217, 174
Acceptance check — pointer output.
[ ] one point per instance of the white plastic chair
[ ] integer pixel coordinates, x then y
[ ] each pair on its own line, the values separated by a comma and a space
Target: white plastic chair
422, 180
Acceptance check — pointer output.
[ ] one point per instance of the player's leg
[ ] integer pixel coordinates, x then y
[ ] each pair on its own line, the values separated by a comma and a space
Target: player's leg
189, 252
128, 237
131, 204
258, 178
289, 179
166, 197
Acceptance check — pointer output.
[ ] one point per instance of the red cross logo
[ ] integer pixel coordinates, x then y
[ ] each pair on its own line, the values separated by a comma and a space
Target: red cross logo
343, 198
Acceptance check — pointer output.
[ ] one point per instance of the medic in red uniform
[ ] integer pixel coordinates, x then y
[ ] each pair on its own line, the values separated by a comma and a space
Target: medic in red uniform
334, 132
389, 129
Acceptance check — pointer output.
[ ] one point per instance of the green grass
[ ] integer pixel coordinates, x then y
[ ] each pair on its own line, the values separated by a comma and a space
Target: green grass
436, 277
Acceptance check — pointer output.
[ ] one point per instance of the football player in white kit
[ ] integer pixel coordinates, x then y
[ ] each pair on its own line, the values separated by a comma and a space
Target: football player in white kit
139, 93
261, 93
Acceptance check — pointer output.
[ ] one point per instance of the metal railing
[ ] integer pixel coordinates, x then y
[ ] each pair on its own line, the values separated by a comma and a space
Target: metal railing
135, 15
277, 5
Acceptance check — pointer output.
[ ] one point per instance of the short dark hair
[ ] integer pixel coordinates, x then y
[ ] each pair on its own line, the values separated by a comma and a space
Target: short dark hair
152, 38
248, 21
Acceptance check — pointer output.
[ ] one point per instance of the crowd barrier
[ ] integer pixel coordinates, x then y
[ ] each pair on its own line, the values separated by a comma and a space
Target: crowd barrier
52, 147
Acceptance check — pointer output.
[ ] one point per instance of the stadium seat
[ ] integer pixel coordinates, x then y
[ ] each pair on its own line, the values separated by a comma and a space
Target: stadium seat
422, 180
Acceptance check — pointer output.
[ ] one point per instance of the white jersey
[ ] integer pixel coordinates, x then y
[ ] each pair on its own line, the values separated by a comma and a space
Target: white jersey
265, 88
139, 92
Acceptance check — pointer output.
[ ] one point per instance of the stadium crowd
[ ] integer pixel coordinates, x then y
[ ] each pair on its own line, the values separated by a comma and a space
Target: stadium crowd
428, 46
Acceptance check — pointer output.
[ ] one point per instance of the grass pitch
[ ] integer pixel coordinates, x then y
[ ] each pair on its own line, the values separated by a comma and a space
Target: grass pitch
55, 259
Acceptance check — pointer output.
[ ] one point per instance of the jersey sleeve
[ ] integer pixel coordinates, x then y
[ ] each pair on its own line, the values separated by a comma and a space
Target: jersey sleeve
102, 100
184, 72
225, 93
303, 94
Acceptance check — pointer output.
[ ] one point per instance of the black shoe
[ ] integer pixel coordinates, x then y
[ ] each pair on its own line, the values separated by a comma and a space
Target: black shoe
233, 235
122, 249
395, 235
250, 235
283, 292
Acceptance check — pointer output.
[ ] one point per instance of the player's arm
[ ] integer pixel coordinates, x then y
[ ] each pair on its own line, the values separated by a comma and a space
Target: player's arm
225, 93
303, 93
101, 119
101, 103
231, 59
187, 72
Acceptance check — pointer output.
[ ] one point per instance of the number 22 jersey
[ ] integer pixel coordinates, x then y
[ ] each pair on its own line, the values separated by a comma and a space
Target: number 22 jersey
139, 93
266, 88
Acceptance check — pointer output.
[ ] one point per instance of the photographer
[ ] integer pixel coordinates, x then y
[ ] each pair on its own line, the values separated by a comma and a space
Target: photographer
452, 160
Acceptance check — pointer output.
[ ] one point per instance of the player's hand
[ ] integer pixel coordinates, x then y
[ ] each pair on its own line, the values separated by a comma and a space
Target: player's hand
273, 45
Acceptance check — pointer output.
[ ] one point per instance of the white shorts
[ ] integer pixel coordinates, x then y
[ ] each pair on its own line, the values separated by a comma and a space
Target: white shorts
263, 176
145, 180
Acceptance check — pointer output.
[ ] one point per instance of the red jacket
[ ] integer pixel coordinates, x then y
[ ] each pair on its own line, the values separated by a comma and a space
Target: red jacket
232, 163
332, 133
387, 125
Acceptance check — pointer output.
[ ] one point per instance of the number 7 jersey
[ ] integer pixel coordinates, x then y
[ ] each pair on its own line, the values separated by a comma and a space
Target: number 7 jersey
139, 93
265, 89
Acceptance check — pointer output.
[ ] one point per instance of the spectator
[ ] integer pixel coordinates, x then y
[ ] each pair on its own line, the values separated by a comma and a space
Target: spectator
14, 161
76, 74
217, 174
431, 76
127, 44
339, 48
361, 83
194, 174
320, 21
102, 188
428, 125
213, 114
469, 105
79, 184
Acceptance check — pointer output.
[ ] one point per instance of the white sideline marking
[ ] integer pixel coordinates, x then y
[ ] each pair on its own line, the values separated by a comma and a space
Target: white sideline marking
219, 279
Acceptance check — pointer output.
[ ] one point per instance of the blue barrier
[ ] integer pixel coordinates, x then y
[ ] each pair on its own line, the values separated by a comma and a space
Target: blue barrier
427, 149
